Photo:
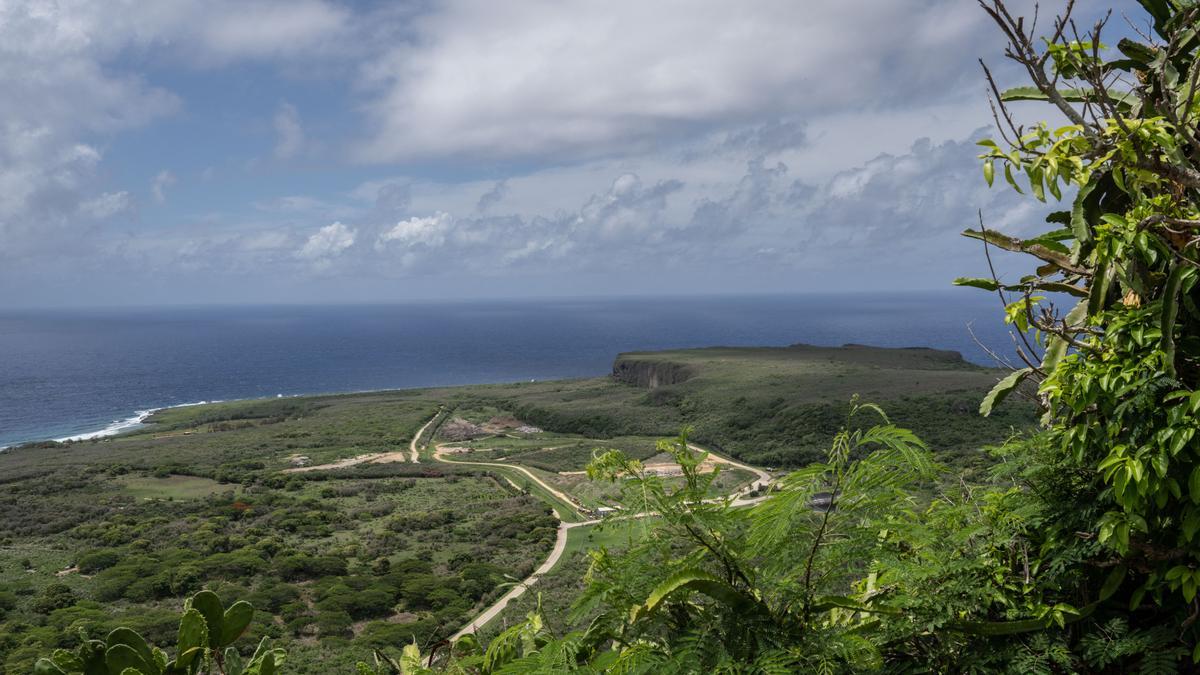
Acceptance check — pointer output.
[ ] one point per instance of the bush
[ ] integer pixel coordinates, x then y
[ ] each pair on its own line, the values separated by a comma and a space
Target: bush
52, 597
101, 559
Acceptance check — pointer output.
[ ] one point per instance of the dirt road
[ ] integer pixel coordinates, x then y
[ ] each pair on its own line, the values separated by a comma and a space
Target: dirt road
413, 455
560, 546
412, 446
560, 543
441, 457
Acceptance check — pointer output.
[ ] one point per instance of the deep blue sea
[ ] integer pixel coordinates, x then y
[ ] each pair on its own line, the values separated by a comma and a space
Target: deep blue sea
66, 373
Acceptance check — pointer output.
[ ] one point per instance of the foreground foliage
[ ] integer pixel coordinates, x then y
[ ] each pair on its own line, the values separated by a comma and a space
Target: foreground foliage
207, 631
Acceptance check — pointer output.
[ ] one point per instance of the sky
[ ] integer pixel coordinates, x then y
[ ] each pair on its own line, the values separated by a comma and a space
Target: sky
255, 151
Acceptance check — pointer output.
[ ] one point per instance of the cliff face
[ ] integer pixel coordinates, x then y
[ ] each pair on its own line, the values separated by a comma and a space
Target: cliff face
650, 374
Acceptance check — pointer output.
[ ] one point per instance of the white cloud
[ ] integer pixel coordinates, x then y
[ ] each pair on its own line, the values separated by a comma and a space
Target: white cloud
267, 29
65, 94
430, 231
288, 131
580, 78
106, 205
158, 187
328, 242
627, 212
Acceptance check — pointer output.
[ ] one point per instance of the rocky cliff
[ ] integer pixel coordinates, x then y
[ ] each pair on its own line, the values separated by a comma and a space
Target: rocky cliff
649, 373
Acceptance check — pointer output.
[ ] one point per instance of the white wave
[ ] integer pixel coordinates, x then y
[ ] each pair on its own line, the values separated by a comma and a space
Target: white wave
127, 424
112, 429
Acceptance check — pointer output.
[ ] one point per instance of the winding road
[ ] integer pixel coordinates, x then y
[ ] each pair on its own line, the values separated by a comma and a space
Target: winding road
762, 480
440, 455
493, 610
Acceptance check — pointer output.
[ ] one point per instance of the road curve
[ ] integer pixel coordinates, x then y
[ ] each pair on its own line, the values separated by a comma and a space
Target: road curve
412, 445
441, 457
560, 547
560, 542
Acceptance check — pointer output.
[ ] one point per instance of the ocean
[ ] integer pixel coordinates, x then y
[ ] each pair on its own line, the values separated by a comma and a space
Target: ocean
78, 373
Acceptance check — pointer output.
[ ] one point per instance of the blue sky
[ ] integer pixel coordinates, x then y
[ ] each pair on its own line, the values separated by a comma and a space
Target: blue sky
221, 151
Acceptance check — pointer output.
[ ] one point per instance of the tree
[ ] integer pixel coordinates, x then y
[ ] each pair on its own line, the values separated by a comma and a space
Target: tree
52, 597
1117, 469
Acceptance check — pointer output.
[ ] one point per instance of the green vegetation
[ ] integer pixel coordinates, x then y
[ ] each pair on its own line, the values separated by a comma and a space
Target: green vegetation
207, 631
342, 562
336, 563
1069, 547
1079, 554
170, 487
770, 406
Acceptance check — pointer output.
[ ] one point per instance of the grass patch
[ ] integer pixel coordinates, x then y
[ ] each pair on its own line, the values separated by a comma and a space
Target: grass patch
173, 487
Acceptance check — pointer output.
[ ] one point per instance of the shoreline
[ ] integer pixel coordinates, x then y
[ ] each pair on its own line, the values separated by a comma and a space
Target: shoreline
135, 421
114, 428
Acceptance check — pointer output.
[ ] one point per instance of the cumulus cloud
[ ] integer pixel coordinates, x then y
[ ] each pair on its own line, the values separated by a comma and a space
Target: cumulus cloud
63, 97
327, 243
579, 78
627, 212
623, 135
429, 231
289, 133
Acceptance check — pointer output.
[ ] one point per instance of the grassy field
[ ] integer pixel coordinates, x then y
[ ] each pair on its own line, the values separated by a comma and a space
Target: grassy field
376, 555
771, 406
170, 487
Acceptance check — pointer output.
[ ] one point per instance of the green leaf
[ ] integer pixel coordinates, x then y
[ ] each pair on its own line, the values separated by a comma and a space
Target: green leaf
209, 606
976, 282
1002, 389
1194, 485
234, 622
690, 579
130, 638
410, 659
1032, 247
266, 665
1008, 176
1162, 12
1099, 288
193, 636
233, 662
1059, 287
122, 657
989, 172
1137, 52
1170, 312
1079, 212
1031, 93
1112, 582
47, 667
